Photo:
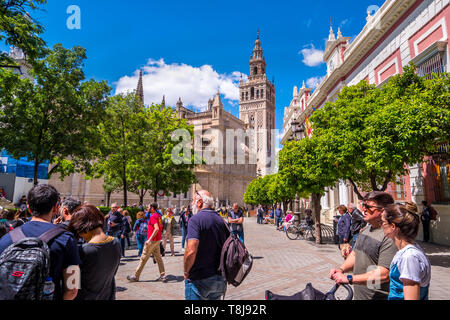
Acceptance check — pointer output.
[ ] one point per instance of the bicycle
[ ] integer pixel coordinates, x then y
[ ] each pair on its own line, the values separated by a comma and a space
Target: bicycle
304, 230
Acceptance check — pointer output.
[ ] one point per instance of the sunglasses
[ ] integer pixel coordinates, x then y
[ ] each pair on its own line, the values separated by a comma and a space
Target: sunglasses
367, 206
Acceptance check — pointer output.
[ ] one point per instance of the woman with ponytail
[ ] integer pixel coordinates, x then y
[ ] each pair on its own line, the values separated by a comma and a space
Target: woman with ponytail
410, 270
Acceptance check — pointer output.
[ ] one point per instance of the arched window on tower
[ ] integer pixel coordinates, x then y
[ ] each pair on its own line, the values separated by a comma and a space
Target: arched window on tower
257, 94
255, 71
243, 96
246, 95
262, 93
252, 93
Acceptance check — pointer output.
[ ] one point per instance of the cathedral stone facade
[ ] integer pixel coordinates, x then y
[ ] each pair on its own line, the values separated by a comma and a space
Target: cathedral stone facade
225, 181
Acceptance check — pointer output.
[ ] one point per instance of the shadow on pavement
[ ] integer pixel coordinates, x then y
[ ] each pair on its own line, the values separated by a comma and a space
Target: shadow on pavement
120, 289
170, 279
437, 254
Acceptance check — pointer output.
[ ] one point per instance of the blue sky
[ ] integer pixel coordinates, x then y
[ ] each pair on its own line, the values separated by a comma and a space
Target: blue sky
190, 48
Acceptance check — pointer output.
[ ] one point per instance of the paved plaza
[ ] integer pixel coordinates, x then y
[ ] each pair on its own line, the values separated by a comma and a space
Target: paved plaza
281, 265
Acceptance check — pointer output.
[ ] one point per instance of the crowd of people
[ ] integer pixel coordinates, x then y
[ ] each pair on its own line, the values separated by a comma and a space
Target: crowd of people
385, 261
91, 245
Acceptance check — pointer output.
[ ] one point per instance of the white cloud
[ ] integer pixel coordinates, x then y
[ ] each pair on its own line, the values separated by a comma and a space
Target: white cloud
311, 56
195, 85
314, 82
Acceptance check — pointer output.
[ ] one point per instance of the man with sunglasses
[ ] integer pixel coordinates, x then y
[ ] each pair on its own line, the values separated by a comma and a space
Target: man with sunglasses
371, 259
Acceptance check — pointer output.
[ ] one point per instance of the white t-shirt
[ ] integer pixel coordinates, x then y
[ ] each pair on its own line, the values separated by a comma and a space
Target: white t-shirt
413, 264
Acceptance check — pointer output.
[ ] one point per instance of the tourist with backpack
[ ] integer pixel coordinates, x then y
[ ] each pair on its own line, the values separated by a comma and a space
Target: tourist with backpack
207, 233
54, 251
140, 227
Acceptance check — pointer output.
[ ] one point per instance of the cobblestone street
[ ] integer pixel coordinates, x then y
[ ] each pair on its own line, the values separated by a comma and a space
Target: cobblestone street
281, 265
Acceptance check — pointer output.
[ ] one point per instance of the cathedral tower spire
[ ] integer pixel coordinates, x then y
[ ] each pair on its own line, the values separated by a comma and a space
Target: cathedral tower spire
257, 107
140, 88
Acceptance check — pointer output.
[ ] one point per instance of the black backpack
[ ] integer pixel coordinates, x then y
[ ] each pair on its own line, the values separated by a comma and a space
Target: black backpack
25, 265
235, 260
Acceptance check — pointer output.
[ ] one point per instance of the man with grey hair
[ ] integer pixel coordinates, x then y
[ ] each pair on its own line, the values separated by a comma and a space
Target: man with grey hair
66, 209
206, 235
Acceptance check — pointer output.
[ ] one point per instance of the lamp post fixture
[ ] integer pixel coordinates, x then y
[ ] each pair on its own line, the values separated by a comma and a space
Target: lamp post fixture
297, 130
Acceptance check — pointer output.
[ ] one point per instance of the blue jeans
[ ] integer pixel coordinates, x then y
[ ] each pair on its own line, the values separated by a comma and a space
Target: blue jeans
140, 239
278, 221
212, 288
259, 219
355, 236
240, 234
183, 236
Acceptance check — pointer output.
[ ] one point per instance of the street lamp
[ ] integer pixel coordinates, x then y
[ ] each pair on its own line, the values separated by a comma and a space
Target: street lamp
296, 130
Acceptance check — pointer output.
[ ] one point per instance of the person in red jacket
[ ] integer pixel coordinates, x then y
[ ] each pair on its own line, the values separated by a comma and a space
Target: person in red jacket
152, 246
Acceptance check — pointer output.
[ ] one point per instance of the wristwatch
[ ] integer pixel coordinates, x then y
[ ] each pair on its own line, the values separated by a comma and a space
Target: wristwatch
350, 279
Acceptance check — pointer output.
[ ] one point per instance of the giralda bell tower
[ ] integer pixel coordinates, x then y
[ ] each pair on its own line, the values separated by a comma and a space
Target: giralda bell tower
257, 107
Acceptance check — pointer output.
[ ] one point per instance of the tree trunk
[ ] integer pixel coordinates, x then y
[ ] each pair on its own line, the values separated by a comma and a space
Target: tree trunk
36, 167
315, 199
124, 177
355, 189
155, 196
108, 199
142, 193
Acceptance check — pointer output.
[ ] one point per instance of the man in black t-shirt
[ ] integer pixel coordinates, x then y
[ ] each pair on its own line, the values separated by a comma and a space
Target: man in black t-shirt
206, 235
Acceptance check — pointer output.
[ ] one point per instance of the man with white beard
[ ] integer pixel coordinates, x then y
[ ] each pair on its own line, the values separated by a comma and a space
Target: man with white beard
206, 235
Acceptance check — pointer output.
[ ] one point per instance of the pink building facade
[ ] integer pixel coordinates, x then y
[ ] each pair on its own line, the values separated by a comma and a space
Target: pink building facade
400, 32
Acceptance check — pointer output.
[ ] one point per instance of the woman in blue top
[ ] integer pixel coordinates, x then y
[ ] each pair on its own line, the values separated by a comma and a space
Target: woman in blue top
410, 271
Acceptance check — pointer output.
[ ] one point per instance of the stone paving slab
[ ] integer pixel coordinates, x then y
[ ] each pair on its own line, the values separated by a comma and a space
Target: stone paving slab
281, 265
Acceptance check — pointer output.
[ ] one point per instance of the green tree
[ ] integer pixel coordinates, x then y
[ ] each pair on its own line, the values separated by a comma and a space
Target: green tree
306, 166
153, 168
373, 133
54, 115
120, 131
18, 29
136, 147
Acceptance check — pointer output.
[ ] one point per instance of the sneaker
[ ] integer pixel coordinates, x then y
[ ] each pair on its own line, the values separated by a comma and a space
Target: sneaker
162, 278
132, 279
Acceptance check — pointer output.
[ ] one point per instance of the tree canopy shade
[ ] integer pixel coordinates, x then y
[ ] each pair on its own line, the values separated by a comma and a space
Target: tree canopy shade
371, 134
18, 29
136, 148
306, 166
53, 116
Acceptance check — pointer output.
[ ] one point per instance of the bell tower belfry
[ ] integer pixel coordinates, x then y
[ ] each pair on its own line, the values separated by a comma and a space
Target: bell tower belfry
257, 107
